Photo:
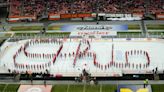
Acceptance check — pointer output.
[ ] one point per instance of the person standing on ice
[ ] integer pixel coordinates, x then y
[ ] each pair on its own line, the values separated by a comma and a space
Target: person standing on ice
88, 54
79, 55
69, 54
61, 55
65, 55
73, 53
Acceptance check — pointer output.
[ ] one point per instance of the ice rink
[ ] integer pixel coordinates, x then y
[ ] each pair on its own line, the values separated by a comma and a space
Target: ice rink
68, 57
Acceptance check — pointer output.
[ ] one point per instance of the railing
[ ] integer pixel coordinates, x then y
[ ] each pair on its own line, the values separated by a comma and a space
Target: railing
25, 36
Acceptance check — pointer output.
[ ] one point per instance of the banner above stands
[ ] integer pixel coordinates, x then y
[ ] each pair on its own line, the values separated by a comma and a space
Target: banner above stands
75, 15
69, 16
54, 17
18, 18
87, 16
107, 16
123, 16
118, 15
160, 16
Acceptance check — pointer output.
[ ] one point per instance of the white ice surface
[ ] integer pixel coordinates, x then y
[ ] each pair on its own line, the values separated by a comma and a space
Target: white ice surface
103, 50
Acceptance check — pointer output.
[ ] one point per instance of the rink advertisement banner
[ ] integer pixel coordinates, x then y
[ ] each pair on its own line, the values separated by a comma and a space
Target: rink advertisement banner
133, 88
94, 33
70, 28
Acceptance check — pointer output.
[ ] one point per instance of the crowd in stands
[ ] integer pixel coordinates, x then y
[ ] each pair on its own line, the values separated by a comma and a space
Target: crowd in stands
15, 7
27, 7
59, 6
133, 6
38, 7
156, 6
33, 7
109, 6
68, 6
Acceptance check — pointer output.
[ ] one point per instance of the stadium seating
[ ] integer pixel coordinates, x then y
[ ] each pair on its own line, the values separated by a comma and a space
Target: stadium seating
156, 6
33, 7
133, 6
44, 7
15, 7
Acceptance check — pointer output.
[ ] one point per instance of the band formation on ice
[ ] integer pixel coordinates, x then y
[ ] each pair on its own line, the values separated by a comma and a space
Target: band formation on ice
43, 61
